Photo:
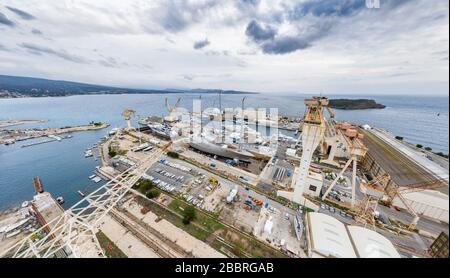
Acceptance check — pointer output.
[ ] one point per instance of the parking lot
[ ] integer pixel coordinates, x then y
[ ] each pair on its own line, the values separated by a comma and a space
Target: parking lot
336, 213
170, 176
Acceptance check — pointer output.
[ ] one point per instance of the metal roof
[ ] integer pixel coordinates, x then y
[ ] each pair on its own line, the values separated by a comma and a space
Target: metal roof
370, 244
329, 237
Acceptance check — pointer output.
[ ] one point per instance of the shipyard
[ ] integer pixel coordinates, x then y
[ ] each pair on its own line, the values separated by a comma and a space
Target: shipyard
221, 182
216, 136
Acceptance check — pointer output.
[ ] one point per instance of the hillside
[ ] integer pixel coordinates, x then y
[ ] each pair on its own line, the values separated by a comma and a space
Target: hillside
15, 86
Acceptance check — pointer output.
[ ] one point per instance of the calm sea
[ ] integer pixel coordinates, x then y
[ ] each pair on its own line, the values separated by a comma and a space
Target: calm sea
64, 170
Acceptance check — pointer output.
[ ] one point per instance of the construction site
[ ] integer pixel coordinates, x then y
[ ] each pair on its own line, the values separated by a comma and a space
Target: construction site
219, 183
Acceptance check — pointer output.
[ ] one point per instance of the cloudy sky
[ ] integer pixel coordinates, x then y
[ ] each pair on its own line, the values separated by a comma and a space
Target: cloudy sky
306, 46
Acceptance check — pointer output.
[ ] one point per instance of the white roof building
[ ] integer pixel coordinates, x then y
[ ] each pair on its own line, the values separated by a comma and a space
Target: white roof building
370, 244
328, 237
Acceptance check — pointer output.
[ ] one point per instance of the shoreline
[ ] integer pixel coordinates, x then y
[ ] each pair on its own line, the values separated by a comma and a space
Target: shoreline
8, 123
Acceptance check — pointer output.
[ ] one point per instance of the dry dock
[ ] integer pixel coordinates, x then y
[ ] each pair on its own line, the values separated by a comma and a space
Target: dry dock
402, 169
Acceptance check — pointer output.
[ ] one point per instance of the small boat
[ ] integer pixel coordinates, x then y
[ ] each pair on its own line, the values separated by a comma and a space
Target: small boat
88, 153
81, 193
25, 204
97, 179
92, 176
60, 200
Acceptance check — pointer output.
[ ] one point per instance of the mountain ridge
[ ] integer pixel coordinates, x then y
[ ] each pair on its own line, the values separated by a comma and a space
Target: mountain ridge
21, 86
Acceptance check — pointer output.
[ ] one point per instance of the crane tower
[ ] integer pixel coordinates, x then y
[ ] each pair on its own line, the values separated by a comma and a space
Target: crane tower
126, 114
313, 131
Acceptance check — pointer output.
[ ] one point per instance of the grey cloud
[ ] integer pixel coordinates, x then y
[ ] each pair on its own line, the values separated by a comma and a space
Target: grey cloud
36, 31
174, 16
258, 33
5, 21
285, 45
250, 2
217, 53
327, 8
310, 21
189, 77
36, 49
192, 77
3, 48
201, 44
22, 14
109, 62
273, 43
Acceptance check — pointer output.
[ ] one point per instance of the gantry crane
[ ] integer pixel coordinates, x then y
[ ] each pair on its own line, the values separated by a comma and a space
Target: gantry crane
357, 150
170, 108
399, 192
374, 192
73, 234
377, 188
313, 132
127, 114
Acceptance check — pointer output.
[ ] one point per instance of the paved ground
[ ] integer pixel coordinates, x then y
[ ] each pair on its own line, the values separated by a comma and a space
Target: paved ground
126, 241
176, 235
431, 226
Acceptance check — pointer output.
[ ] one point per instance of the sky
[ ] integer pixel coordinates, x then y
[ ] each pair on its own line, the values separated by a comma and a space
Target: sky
295, 46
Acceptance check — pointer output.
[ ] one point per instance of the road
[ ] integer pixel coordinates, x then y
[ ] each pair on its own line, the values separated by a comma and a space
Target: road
428, 225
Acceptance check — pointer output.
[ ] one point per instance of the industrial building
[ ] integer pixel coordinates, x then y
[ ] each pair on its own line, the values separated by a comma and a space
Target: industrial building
46, 208
314, 184
329, 238
430, 203
370, 244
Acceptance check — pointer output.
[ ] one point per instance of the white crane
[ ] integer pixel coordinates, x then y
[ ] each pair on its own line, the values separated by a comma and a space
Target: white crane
73, 233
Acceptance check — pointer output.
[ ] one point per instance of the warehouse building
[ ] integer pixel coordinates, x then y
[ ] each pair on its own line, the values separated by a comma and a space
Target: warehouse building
327, 237
370, 244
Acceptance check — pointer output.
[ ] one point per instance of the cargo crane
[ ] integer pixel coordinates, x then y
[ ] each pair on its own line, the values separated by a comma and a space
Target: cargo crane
374, 192
376, 189
399, 192
313, 132
170, 108
357, 150
126, 114
73, 234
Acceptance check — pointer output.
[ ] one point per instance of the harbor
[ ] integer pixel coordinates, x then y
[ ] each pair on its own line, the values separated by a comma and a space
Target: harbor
8, 137
249, 179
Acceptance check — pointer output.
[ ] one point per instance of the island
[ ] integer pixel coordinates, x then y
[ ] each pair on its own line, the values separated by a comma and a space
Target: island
355, 104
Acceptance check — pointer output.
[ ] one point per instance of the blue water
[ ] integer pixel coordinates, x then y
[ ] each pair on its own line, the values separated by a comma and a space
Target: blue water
64, 170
